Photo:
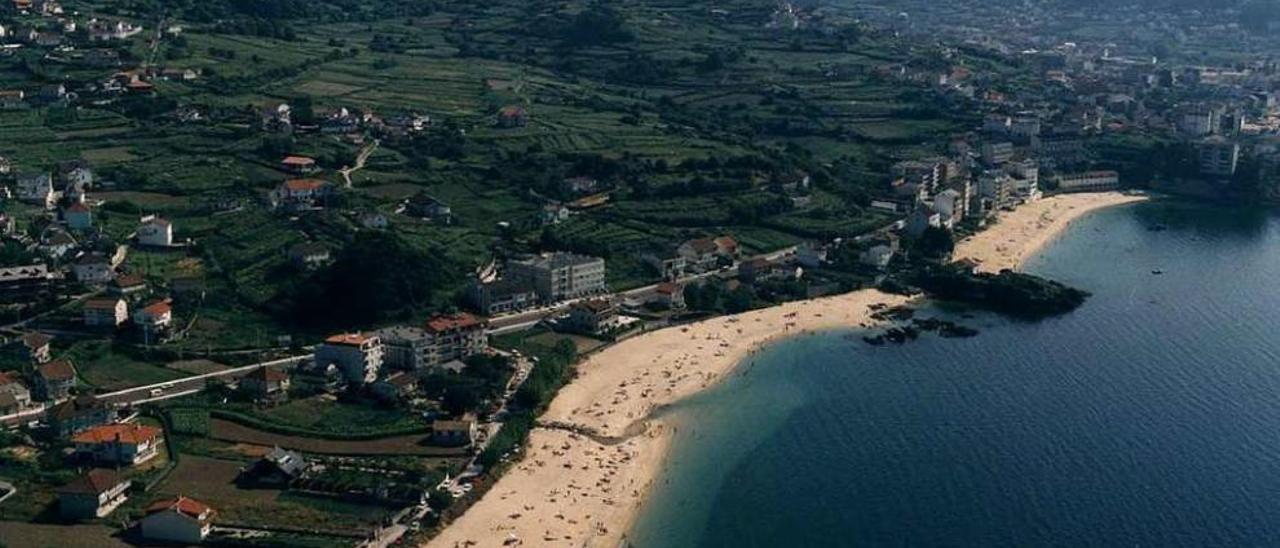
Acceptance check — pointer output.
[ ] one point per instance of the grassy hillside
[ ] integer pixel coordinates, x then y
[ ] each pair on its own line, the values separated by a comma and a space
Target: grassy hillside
691, 113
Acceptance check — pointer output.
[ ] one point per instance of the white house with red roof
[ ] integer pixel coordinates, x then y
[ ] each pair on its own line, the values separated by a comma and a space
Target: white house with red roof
300, 194
155, 231
183, 520
122, 443
298, 165
668, 295
357, 355
155, 318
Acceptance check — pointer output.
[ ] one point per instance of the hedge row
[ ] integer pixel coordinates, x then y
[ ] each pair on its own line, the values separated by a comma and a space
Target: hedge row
286, 430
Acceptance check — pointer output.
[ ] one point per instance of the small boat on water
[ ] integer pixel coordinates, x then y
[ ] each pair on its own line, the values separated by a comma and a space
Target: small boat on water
1157, 272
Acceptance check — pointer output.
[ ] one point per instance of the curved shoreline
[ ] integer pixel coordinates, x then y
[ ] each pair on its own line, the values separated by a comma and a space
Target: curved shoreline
571, 490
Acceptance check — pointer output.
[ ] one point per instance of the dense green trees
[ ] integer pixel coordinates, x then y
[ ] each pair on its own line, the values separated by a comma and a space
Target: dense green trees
549, 373
936, 243
377, 277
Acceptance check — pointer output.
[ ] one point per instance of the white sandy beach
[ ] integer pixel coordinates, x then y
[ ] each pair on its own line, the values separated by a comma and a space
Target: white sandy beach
1020, 233
571, 490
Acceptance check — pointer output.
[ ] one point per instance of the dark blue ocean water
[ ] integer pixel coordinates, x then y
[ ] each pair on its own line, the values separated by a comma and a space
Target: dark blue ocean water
1149, 417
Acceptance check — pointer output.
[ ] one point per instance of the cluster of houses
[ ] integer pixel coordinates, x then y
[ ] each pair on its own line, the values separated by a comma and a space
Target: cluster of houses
997, 169
694, 257
89, 42
344, 123
371, 358
44, 382
1224, 117
386, 363
107, 448
98, 492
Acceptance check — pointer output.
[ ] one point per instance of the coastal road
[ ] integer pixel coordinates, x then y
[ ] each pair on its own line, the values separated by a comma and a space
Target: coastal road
188, 385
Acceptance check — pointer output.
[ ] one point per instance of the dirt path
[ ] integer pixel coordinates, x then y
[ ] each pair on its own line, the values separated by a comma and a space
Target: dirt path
360, 161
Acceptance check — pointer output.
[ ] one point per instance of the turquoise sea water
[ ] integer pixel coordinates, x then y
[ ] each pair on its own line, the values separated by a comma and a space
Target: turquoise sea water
1149, 417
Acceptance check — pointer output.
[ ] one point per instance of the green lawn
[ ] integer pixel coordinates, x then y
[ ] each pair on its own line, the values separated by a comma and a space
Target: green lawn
324, 414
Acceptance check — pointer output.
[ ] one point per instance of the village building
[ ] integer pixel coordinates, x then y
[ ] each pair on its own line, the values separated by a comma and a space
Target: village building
265, 383
300, 194
339, 122
75, 178
52, 93
78, 414
299, 165
593, 317
811, 255
179, 74
106, 31
757, 269
427, 207
277, 117
580, 185
181, 520
54, 380
512, 116
922, 219
1090, 181
879, 254
395, 387
78, 216
35, 346
55, 243
454, 337
309, 255
128, 284
154, 320
14, 396
36, 189
667, 261
405, 347
668, 295
122, 444
501, 296
93, 495
357, 356
92, 268
553, 214
453, 433
12, 99
277, 469
155, 231
560, 276
705, 254
105, 312
950, 206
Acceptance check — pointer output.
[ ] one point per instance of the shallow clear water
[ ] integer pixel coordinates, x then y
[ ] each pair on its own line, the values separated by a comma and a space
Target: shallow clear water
1149, 417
